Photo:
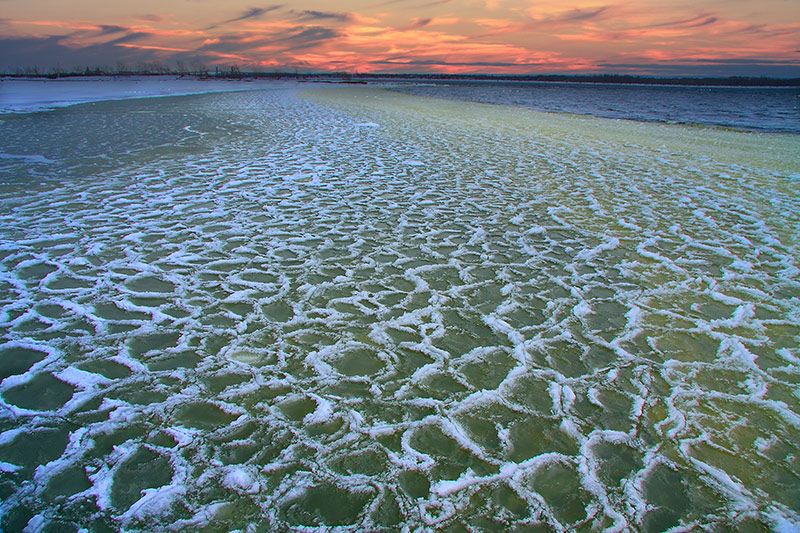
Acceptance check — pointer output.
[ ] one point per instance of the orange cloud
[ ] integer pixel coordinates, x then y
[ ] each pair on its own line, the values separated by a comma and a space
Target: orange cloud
150, 47
430, 35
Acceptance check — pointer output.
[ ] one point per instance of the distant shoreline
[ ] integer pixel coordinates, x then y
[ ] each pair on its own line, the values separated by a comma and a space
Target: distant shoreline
360, 78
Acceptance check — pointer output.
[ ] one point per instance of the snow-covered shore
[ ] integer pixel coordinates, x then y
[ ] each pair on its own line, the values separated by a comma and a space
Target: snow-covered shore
24, 95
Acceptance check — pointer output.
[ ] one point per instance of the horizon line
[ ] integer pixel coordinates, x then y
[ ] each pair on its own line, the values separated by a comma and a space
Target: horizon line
235, 73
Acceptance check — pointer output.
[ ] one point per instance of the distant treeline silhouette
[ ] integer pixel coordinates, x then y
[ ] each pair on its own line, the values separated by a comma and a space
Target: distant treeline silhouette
201, 71
121, 69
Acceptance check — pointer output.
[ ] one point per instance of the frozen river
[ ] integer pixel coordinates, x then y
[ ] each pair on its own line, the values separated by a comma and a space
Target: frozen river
286, 308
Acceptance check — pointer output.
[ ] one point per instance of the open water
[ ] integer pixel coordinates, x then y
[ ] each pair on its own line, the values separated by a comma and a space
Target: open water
354, 309
770, 109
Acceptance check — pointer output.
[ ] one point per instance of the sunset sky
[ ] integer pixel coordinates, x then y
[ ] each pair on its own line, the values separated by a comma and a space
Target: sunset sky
648, 37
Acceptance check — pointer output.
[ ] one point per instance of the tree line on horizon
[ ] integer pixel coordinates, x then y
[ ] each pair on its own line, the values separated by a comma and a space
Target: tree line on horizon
152, 68
202, 71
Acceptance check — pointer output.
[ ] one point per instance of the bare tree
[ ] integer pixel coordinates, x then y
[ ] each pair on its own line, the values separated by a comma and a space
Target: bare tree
199, 69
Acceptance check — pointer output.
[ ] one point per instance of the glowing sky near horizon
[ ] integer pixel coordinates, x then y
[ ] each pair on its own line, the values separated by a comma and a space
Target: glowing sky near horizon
655, 37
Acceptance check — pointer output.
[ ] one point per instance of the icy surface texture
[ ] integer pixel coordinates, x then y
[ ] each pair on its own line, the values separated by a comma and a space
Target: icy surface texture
372, 311
20, 95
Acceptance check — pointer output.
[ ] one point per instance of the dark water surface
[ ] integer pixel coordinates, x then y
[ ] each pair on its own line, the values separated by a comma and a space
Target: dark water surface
772, 109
